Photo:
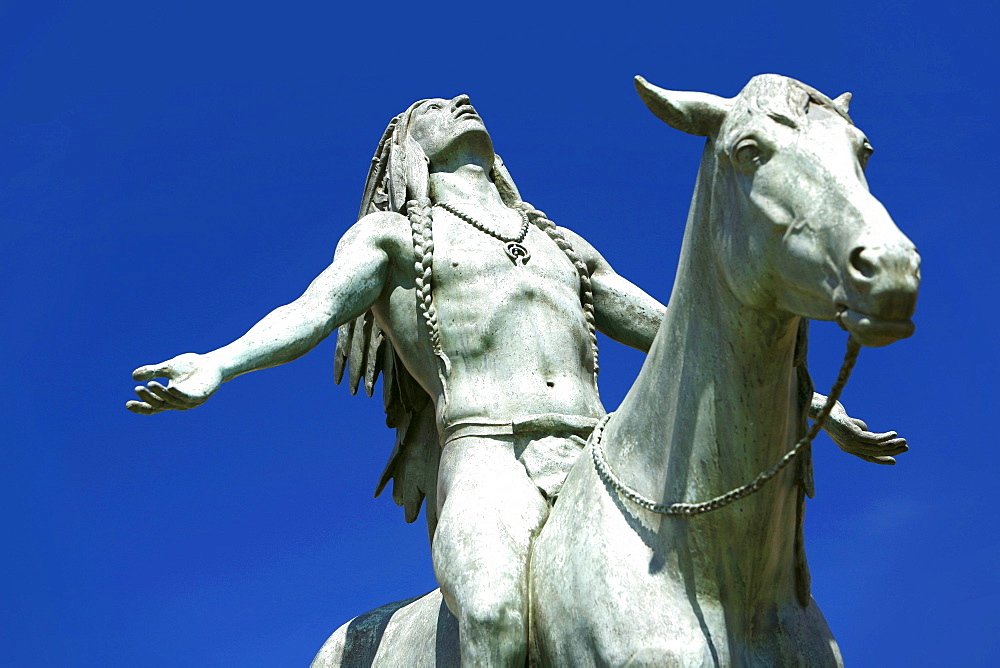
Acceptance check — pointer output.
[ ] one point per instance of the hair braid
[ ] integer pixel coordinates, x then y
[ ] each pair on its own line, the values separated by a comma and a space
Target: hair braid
419, 213
586, 285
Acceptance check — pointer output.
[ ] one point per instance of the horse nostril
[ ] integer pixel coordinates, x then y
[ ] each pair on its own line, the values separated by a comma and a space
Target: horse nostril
862, 263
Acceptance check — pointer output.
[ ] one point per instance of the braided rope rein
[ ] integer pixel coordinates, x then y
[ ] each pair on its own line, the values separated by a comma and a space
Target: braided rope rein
698, 508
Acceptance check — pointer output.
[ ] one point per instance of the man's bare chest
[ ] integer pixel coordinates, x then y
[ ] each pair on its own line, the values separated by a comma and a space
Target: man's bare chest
472, 265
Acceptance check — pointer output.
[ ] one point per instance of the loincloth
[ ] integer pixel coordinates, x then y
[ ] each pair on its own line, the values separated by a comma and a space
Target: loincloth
546, 445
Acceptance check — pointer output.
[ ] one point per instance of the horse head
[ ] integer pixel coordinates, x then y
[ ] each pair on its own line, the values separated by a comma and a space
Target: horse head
794, 226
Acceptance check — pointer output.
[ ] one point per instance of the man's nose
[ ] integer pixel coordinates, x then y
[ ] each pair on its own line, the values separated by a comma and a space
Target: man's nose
460, 100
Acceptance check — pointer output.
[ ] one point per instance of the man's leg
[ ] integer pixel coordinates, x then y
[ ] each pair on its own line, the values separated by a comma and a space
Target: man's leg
488, 513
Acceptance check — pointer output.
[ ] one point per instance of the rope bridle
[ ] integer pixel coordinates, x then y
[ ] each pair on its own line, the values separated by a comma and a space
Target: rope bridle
681, 508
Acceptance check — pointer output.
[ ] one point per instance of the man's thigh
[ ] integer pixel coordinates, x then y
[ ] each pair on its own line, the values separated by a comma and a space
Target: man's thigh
483, 472
486, 501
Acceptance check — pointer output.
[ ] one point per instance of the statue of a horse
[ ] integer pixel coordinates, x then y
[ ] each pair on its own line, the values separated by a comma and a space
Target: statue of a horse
782, 227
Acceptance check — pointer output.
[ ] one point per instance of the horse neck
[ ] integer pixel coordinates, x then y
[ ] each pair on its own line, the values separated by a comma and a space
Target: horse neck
713, 404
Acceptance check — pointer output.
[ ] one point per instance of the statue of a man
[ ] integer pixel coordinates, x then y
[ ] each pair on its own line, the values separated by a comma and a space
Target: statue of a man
481, 314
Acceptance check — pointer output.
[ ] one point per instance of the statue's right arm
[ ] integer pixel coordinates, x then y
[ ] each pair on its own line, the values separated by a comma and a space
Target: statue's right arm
343, 291
624, 311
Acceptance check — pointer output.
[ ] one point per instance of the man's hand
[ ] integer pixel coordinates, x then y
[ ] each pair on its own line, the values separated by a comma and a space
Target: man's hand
193, 379
853, 437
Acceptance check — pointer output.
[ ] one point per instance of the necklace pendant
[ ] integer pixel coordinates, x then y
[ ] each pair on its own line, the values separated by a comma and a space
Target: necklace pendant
517, 253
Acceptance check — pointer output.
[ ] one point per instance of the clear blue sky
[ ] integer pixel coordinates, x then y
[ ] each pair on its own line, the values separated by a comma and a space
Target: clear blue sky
172, 171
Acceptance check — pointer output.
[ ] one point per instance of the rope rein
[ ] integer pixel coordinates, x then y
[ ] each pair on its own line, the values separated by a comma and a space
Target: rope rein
723, 500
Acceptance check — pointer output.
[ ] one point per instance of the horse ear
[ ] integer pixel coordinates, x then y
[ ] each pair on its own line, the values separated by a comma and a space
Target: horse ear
695, 113
843, 102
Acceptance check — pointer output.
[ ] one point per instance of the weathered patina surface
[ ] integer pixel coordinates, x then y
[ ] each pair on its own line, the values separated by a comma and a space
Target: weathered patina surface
481, 314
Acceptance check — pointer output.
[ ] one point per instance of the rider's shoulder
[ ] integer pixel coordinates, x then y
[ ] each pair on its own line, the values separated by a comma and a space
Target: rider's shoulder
591, 256
578, 242
381, 228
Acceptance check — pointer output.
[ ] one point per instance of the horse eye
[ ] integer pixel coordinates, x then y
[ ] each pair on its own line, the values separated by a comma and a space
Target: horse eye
865, 153
747, 152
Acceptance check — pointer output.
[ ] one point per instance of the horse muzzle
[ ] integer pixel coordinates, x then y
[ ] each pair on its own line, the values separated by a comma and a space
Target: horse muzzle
882, 287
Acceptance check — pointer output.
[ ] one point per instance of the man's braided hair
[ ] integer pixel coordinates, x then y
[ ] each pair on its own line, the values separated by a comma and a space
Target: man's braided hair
398, 181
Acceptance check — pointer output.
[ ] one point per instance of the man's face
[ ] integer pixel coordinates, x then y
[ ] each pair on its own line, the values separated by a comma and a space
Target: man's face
449, 126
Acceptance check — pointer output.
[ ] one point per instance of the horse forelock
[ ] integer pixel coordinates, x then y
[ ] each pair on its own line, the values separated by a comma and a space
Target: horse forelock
784, 98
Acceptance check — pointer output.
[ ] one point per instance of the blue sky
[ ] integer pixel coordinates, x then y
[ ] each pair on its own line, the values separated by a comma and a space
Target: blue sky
171, 173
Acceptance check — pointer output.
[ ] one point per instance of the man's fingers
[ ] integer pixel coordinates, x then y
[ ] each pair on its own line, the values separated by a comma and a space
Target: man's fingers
151, 371
876, 452
863, 449
896, 446
885, 461
874, 438
860, 423
184, 397
164, 395
148, 397
142, 408
885, 442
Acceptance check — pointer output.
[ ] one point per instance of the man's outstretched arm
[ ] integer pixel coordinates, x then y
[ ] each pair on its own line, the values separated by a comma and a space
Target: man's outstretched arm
345, 289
